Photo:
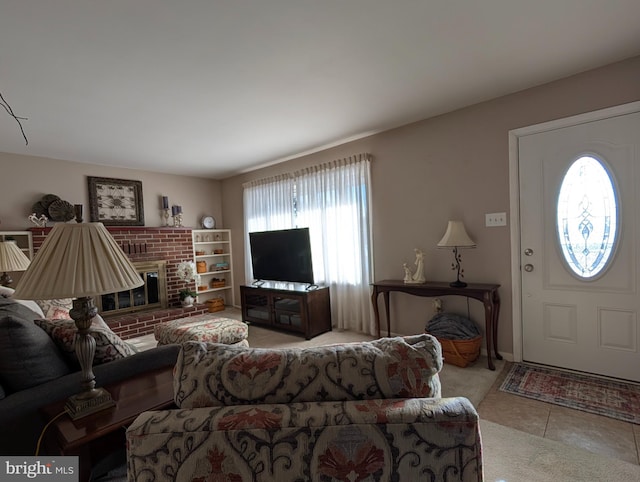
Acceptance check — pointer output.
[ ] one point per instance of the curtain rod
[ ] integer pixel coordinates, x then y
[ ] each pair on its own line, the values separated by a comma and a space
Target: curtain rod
318, 167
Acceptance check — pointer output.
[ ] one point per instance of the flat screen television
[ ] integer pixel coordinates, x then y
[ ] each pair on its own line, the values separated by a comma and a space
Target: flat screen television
283, 255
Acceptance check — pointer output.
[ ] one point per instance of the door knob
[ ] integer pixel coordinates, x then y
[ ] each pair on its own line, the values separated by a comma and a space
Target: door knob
528, 252
528, 268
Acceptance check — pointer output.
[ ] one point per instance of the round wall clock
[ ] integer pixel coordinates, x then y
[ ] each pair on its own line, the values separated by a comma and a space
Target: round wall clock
208, 222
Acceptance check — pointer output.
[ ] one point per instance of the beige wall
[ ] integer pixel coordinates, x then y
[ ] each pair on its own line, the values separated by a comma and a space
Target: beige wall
24, 180
455, 166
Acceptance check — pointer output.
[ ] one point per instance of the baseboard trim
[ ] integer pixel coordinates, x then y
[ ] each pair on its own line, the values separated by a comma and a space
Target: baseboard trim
505, 356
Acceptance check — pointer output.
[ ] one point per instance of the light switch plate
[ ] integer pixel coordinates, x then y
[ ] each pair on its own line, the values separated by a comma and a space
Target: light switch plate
495, 219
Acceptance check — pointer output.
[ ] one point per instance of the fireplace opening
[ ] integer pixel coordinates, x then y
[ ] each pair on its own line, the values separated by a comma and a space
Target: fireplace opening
151, 295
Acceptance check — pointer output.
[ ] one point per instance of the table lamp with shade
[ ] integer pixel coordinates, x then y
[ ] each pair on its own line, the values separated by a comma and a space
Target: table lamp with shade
11, 259
456, 237
80, 261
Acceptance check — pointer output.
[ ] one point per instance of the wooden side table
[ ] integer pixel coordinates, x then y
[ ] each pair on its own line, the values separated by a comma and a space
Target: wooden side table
102, 433
486, 293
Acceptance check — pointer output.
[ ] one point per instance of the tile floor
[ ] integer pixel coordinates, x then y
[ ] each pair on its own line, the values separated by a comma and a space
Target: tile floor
591, 432
602, 435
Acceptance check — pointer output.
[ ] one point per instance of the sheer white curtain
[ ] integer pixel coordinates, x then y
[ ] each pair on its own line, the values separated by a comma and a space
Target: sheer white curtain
268, 205
333, 200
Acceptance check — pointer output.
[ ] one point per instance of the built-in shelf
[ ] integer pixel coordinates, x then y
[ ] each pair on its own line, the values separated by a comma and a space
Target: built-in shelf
23, 240
205, 242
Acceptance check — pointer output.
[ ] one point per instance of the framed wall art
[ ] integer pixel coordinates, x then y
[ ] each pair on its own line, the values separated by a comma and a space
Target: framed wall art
115, 202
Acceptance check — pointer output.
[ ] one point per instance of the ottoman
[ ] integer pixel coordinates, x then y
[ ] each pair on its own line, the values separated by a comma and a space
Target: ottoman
205, 328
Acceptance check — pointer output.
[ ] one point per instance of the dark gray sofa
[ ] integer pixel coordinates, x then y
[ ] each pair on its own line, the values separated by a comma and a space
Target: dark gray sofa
34, 373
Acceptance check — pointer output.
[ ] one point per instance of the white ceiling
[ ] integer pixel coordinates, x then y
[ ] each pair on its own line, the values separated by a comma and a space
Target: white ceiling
217, 87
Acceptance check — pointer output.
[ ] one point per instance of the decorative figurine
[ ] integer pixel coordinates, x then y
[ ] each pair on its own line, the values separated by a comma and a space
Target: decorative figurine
41, 221
407, 273
418, 275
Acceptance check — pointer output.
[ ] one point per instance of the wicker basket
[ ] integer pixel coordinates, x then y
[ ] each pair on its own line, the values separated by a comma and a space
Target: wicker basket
215, 304
460, 352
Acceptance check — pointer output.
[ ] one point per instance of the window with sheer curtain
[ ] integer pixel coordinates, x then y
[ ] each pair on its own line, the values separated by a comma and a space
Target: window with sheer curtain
333, 201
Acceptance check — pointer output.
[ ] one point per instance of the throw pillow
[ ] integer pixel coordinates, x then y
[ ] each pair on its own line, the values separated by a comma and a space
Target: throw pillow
6, 291
32, 305
109, 346
208, 374
56, 309
28, 357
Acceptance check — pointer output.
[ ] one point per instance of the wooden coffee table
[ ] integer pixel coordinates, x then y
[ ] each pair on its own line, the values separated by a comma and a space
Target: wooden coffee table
102, 433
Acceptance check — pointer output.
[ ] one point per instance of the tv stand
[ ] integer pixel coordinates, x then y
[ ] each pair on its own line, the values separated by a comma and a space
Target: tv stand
289, 307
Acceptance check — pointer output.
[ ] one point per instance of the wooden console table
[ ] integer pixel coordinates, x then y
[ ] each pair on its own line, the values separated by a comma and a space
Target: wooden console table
487, 293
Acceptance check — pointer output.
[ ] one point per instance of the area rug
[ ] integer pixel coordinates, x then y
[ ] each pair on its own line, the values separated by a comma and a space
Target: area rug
601, 396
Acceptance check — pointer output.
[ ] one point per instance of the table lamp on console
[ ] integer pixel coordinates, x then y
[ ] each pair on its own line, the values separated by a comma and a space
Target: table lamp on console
80, 261
456, 237
11, 259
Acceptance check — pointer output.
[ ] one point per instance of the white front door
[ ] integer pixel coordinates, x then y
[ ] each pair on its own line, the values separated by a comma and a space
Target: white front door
580, 303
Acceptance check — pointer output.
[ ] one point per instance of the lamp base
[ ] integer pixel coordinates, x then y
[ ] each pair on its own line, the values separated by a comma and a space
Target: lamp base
458, 284
86, 403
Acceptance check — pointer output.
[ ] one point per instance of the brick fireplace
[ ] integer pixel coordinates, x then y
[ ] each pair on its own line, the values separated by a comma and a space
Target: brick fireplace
141, 244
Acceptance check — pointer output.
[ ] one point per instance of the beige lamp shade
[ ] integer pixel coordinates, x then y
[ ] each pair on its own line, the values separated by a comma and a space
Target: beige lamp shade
456, 236
12, 258
77, 260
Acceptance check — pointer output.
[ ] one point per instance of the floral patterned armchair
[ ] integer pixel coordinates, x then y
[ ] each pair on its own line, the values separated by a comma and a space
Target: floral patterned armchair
367, 411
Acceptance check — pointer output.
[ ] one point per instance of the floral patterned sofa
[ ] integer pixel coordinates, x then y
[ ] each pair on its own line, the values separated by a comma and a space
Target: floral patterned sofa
367, 411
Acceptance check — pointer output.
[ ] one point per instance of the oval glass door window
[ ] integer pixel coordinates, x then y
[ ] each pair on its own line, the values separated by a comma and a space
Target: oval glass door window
587, 217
